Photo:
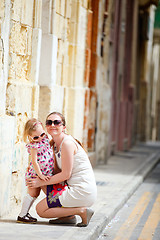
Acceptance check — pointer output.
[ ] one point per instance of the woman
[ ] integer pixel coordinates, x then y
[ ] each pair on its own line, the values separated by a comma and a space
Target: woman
75, 169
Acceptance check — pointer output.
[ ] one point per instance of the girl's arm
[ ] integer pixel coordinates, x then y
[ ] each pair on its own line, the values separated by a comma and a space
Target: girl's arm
67, 155
36, 165
29, 160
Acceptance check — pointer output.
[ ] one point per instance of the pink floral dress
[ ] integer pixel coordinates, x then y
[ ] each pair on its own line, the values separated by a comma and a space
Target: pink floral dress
44, 158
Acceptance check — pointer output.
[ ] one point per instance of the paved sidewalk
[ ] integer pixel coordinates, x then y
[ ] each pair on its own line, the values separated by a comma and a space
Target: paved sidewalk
116, 182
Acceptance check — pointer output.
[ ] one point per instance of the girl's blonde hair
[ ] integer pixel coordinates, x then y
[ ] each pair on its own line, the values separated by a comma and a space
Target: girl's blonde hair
30, 126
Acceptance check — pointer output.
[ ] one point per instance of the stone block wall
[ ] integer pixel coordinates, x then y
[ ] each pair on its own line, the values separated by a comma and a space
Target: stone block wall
20, 43
62, 64
46, 48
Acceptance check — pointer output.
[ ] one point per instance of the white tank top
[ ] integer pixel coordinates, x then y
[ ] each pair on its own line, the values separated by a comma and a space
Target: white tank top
81, 190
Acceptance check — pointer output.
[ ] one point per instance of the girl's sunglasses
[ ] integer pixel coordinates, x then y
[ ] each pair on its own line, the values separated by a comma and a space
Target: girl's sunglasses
55, 122
37, 137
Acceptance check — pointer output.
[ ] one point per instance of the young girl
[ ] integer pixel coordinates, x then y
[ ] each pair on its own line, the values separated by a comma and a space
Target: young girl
41, 164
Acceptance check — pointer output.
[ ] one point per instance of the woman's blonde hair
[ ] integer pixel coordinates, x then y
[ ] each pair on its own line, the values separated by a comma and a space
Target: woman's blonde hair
30, 126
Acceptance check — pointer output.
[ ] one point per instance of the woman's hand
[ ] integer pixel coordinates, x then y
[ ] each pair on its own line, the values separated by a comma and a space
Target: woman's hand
35, 182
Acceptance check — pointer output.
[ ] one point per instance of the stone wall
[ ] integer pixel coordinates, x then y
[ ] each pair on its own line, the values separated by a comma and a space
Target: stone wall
62, 64
46, 48
20, 42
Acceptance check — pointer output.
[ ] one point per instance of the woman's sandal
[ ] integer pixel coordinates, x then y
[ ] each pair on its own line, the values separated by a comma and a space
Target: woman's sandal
64, 220
90, 213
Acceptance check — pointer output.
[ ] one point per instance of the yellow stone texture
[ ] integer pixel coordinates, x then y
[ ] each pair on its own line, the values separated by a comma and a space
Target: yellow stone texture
20, 39
58, 6
1, 61
81, 28
58, 25
55, 23
37, 13
27, 12
2, 8
51, 99
65, 29
20, 67
75, 11
79, 76
16, 6
79, 56
35, 100
61, 30
48, 12
74, 111
14, 95
12, 67
44, 102
60, 51
85, 3
72, 32
65, 52
20, 126
62, 7
71, 54
68, 8
29, 41
35, 58
66, 71
59, 73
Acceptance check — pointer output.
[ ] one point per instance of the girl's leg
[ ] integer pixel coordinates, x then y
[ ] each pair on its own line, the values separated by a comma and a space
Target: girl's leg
58, 212
44, 189
33, 193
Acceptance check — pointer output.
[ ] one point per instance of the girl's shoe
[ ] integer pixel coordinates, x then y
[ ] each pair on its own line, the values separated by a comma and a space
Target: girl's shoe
26, 219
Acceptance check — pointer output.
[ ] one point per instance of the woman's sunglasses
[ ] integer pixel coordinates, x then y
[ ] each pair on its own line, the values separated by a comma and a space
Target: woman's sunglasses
55, 122
37, 137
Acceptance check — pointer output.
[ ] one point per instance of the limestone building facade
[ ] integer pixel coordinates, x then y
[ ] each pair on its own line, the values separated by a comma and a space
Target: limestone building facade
78, 57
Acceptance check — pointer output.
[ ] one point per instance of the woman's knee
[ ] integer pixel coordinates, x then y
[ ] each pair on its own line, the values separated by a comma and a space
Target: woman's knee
41, 207
38, 210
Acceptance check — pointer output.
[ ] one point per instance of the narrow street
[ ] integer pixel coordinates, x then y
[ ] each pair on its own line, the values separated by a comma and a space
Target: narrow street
139, 219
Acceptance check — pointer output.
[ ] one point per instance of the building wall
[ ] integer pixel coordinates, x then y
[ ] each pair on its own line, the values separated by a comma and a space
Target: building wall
65, 56
20, 42
103, 85
45, 66
62, 63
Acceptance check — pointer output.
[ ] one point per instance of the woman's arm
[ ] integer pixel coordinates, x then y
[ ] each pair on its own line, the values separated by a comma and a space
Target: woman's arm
36, 165
67, 156
56, 168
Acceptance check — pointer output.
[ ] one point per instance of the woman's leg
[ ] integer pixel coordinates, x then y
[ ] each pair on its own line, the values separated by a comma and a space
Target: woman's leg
45, 212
